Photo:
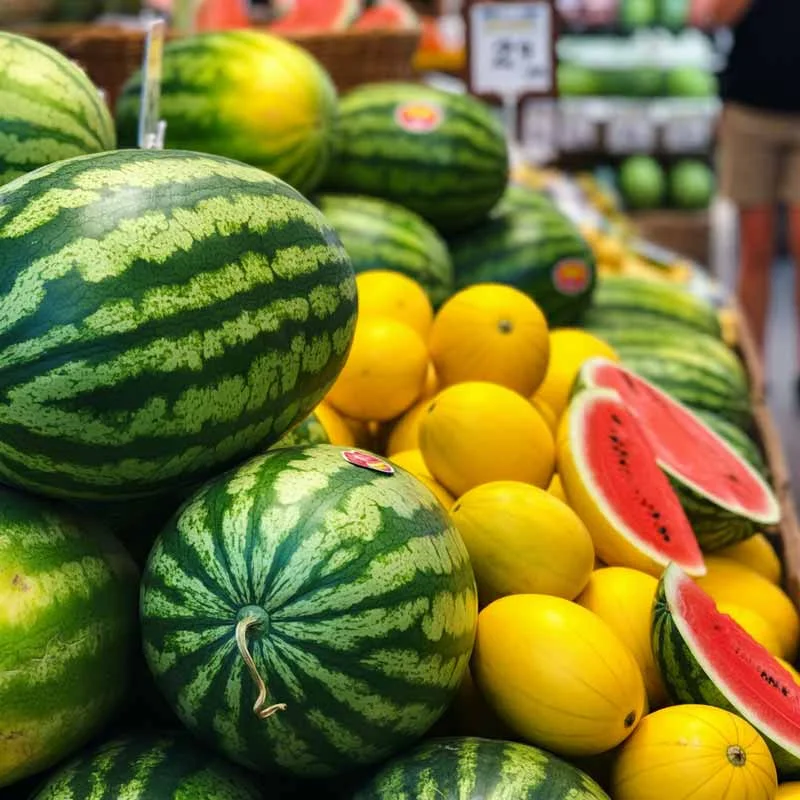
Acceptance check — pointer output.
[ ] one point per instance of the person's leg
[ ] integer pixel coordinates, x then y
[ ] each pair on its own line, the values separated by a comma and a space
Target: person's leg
756, 254
791, 195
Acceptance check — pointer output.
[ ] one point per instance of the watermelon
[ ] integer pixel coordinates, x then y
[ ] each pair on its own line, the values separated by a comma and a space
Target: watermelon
312, 16
705, 657
739, 439
470, 768
309, 431
535, 249
612, 481
724, 497
313, 610
165, 314
49, 109
439, 154
245, 95
388, 15
146, 767
382, 235
657, 300
68, 595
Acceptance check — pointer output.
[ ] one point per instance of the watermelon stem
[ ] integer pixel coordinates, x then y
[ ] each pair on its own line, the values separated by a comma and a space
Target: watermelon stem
244, 625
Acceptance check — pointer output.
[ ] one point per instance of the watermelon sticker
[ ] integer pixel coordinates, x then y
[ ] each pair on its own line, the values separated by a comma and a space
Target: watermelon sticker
358, 458
419, 117
571, 276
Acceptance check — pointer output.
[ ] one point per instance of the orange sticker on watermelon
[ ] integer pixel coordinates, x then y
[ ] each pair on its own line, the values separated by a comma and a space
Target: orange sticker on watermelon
419, 117
572, 276
360, 458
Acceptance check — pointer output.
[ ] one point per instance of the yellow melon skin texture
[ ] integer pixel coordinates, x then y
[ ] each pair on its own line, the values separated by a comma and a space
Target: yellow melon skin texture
557, 675
758, 628
694, 752
337, 429
522, 540
405, 432
385, 293
623, 599
547, 414
758, 554
412, 461
788, 791
730, 582
569, 348
384, 373
490, 332
477, 432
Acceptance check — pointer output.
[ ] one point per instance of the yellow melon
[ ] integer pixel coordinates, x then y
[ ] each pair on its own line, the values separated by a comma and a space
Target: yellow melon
405, 432
758, 554
410, 460
755, 625
556, 489
788, 791
337, 429
385, 293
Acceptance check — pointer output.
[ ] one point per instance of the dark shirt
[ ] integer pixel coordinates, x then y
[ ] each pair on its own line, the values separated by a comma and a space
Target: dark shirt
764, 66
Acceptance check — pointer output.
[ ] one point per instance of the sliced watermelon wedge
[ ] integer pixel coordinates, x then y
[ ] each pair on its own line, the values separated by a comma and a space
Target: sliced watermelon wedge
316, 16
725, 498
706, 657
388, 15
611, 479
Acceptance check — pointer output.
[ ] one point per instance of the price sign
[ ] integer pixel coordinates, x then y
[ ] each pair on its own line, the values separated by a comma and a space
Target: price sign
151, 127
631, 131
687, 134
511, 48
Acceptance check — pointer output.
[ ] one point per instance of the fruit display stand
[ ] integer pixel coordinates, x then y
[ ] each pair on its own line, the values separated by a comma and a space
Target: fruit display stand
688, 233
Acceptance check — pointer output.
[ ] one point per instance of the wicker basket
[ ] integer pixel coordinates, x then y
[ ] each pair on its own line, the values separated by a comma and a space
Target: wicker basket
112, 53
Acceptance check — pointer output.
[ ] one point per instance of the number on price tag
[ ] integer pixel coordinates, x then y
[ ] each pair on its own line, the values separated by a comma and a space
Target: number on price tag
511, 48
630, 132
687, 134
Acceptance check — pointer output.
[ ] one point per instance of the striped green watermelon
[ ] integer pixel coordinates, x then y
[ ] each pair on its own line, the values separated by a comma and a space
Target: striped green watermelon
705, 657
149, 767
309, 611
49, 109
382, 235
655, 301
164, 314
535, 249
479, 769
68, 594
725, 499
245, 95
441, 155
309, 431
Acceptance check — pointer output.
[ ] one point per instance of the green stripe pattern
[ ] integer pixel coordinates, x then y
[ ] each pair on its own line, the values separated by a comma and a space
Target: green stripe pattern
309, 431
382, 235
527, 248
362, 600
688, 682
49, 109
479, 769
68, 629
246, 95
162, 314
149, 767
441, 155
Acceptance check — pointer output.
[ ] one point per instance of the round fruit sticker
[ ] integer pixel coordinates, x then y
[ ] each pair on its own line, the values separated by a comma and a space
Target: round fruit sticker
419, 117
571, 276
358, 458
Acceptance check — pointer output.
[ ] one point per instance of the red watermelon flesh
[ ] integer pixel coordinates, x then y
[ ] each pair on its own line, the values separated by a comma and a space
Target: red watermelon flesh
743, 673
317, 16
388, 14
612, 453
685, 447
218, 15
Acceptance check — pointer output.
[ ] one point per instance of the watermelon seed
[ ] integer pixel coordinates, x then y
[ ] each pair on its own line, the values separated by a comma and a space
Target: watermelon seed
630, 719
736, 755
615, 418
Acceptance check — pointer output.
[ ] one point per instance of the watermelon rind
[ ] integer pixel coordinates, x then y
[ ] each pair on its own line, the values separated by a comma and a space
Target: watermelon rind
690, 676
68, 631
146, 767
739, 439
166, 314
472, 768
357, 599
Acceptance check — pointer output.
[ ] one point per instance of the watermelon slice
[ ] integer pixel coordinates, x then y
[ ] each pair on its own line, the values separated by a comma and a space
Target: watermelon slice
611, 479
725, 498
316, 16
220, 15
396, 15
706, 657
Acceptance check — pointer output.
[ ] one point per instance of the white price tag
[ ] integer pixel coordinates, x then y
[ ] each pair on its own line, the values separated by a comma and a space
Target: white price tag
687, 134
151, 126
630, 132
577, 132
511, 48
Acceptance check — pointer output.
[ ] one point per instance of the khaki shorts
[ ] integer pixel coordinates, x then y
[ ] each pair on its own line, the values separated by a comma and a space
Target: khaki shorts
759, 156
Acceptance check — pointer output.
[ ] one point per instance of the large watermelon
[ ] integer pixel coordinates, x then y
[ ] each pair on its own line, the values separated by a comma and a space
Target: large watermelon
246, 95
439, 154
382, 235
164, 314
68, 594
536, 249
347, 586
149, 767
49, 109
479, 769
705, 657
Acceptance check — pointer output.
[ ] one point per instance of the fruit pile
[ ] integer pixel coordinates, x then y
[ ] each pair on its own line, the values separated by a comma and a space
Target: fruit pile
376, 490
